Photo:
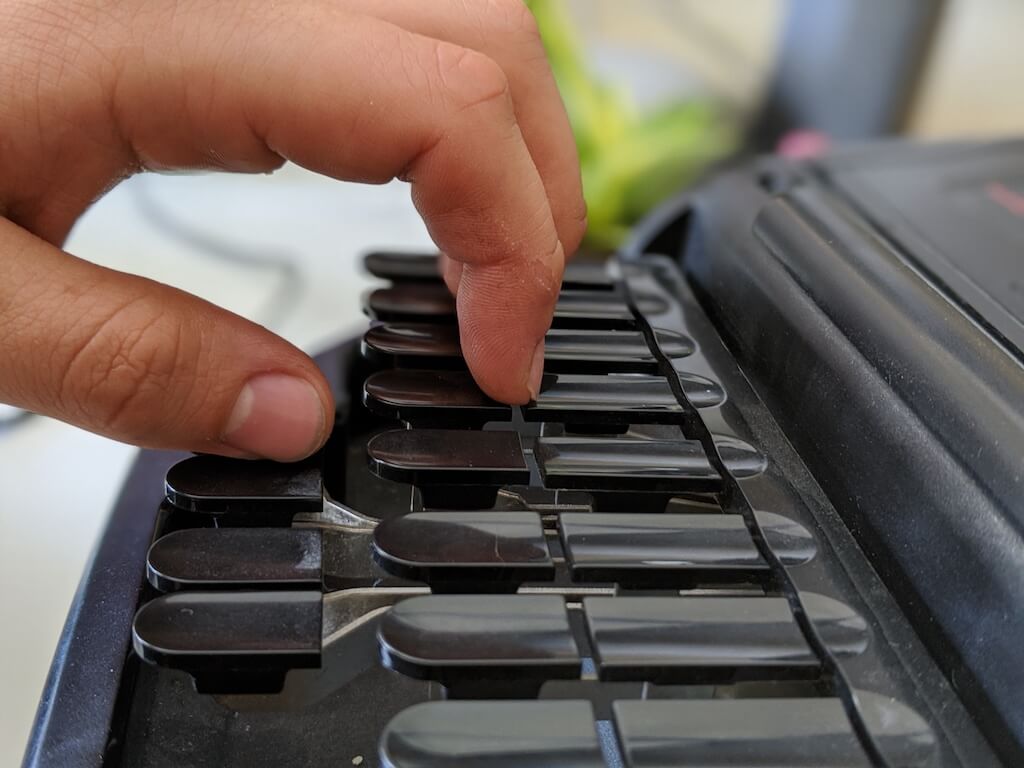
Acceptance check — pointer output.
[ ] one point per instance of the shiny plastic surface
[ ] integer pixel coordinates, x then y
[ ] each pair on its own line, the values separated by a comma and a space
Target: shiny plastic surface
412, 303
761, 733
469, 638
575, 308
671, 466
675, 549
493, 734
216, 636
405, 267
566, 350
465, 551
224, 558
713, 639
448, 397
611, 399
448, 456
214, 484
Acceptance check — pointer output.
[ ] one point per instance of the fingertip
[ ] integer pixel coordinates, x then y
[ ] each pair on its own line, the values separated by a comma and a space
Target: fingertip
278, 416
509, 371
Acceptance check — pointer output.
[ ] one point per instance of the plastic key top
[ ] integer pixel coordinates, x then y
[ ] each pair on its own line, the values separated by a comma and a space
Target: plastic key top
463, 640
451, 398
222, 558
623, 463
429, 303
412, 303
228, 640
403, 267
407, 267
465, 551
611, 399
415, 345
714, 639
448, 456
676, 549
214, 484
493, 734
425, 345
765, 733
593, 351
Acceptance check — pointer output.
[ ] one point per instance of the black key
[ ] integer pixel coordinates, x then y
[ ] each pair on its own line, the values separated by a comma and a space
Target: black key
675, 550
714, 639
612, 399
463, 640
431, 397
592, 309
403, 267
423, 345
588, 351
465, 551
740, 458
493, 734
214, 484
225, 558
701, 392
622, 463
231, 641
422, 267
429, 303
618, 398
600, 309
587, 274
434, 303
767, 733
412, 303
448, 457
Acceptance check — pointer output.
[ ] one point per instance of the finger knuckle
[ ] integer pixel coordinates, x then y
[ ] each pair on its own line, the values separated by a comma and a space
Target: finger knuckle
576, 226
471, 78
512, 17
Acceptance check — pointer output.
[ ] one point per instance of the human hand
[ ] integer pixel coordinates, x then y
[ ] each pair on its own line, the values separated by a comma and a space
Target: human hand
453, 96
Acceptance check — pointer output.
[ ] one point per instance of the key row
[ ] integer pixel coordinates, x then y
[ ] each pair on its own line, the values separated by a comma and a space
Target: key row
429, 345
575, 308
464, 639
452, 398
485, 551
442, 457
217, 485
653, 733
405, 268
473, 644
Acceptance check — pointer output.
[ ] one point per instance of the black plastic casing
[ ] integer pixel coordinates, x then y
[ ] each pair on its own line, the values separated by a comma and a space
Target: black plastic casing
874, 301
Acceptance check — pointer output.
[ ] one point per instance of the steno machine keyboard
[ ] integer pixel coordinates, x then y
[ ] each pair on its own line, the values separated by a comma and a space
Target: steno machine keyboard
766, 510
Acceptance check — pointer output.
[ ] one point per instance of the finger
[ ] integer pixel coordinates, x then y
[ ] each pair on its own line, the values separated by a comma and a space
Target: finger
145, 363
451, 273
361, 99
506, 31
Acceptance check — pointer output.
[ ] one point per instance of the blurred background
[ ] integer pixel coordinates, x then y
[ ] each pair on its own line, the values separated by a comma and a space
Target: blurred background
659, 92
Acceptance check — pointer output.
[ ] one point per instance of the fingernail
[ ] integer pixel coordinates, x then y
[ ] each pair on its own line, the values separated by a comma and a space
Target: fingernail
536, 371
276, 416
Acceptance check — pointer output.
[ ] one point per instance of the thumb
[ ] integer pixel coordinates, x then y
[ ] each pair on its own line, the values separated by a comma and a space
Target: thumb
141, 362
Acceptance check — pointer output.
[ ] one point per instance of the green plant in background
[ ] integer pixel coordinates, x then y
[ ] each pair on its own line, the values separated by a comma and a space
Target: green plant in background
629, 161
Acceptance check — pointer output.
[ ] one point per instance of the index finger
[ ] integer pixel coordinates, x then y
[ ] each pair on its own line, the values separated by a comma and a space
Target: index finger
506, 31
361, 99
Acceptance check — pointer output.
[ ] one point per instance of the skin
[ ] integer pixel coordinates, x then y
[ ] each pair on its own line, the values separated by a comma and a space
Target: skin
453, 96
